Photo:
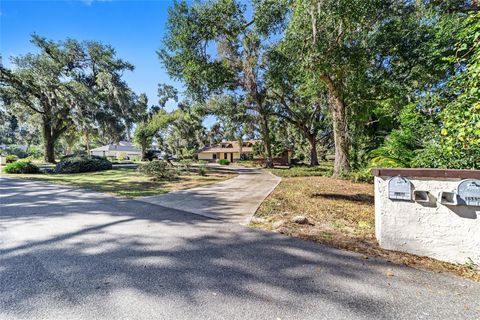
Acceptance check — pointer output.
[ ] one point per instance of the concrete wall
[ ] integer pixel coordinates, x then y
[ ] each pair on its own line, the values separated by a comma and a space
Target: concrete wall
427, 229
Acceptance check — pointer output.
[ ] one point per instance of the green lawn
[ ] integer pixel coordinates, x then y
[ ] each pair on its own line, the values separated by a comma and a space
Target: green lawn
128, 182
323, 169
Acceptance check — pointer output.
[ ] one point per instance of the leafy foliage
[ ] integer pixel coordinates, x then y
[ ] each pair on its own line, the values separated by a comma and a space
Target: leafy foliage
70, 83
82, 163
224, 162
11, 158
202, 168
21, 167
441, 129
159, 170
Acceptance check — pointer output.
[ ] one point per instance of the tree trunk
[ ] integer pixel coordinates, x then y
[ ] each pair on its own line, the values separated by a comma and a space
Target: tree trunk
48, 142
340, 133
342, 165
266, 142
143, 146
313, 150
87, 142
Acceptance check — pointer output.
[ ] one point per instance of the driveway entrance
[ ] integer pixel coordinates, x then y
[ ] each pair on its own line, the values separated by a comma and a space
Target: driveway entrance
234, 200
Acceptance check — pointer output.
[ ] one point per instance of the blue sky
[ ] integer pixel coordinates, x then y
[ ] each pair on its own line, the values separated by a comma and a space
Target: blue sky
134, 28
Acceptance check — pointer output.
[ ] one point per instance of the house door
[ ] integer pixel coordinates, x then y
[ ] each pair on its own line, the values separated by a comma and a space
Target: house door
231, 157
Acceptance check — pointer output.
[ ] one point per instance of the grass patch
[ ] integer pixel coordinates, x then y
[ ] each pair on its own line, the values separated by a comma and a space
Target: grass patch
129, 182
342, 215
323, 169
249, 163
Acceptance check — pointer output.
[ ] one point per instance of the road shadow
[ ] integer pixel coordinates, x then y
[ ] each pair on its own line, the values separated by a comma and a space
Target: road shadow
363, 198
120, 245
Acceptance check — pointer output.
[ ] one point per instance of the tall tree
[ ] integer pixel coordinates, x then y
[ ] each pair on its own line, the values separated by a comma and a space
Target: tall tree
155, 119
69, 83
236, 119
297, 100
356, 50
214, 47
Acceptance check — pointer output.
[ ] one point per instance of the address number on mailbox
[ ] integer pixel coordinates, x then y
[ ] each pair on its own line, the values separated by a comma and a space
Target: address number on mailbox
469, 192
399, 188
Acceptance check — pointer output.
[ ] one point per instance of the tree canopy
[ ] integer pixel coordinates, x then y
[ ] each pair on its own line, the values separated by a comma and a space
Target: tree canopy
68, 84
368, 82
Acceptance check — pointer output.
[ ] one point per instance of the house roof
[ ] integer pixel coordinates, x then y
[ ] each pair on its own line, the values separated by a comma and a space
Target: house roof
230, 146
117, 147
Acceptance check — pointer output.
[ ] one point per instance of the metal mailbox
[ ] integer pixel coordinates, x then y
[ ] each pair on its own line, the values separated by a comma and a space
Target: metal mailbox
399, 188
469, 192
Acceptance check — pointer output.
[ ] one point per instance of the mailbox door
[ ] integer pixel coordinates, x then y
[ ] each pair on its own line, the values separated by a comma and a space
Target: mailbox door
469, 192
399, 188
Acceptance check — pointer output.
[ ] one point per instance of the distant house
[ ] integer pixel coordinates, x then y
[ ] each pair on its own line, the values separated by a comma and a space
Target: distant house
229, 150
122, 149
14, 146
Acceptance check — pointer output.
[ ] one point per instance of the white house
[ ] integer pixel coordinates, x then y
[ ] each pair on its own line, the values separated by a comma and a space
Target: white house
122, 149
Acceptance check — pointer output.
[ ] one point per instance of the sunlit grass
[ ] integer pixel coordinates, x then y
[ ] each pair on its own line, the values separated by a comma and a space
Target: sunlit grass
128, 182
341, 213
323, 169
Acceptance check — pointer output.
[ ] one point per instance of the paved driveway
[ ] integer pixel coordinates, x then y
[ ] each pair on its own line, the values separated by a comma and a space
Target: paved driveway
73, 254
234, 200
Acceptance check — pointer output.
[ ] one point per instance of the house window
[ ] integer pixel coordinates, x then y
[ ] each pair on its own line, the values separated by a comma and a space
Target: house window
225, 155
214, 156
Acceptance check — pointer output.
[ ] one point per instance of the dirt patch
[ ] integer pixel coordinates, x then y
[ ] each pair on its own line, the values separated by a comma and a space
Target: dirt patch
341, 214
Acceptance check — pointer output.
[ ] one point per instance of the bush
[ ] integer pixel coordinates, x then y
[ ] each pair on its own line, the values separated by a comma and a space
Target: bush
159, 170
82, 163
202, 168
362, 175
186, 163
35, 152
150, 155
11, 158
21, 167
224, 162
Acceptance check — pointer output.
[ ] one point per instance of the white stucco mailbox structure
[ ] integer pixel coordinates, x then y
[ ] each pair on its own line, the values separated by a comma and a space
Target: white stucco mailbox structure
429, 212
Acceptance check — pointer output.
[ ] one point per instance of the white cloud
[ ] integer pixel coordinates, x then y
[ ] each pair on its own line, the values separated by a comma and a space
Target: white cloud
89, 2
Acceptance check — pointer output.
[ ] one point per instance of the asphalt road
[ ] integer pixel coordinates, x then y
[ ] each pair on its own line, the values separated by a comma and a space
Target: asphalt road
73, 254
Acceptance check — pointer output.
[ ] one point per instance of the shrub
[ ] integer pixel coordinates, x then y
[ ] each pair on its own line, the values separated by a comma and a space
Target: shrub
35, 152
150, 155
202, 168
224, 162
159, 170
82, 163
11, 158
362, 175
21, 167
186, 163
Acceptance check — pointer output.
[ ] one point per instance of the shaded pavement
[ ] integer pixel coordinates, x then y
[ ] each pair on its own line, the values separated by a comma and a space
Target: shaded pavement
67, 253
